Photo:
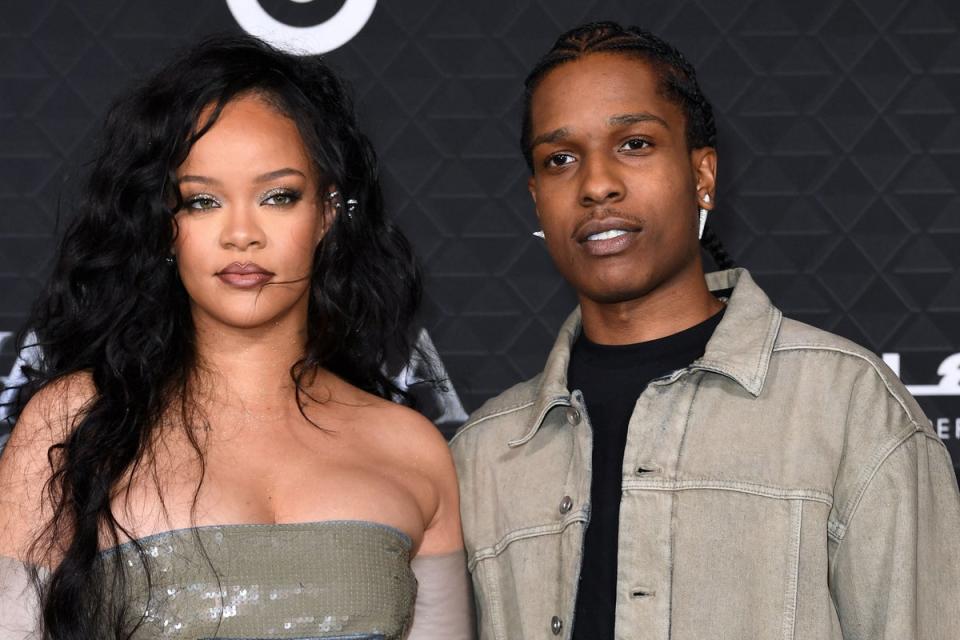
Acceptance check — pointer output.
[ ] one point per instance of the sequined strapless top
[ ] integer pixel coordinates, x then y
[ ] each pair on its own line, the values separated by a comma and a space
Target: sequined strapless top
334, 579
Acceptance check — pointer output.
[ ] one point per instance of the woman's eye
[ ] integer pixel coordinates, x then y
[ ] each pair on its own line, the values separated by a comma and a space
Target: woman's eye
201, 203
282, 198
636, 144
558, 159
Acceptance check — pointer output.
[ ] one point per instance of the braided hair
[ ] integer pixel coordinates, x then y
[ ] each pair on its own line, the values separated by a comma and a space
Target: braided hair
678, 81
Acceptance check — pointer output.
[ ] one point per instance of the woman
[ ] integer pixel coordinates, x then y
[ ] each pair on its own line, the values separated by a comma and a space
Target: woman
210, 447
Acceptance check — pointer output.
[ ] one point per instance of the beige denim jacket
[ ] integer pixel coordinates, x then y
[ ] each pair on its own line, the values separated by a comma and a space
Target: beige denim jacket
785, 485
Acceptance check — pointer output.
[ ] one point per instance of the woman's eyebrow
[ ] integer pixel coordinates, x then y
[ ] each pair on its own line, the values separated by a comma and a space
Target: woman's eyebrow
200, 179
264, 177
279, 173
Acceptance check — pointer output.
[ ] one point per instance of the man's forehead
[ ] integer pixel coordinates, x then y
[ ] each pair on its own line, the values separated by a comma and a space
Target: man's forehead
606, 69
622, 84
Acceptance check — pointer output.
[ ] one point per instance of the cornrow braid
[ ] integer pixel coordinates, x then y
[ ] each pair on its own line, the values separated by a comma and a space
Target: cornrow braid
711, 243
678, 83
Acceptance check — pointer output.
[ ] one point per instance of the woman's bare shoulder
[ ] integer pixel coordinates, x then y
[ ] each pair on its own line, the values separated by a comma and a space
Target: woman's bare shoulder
420, 446
398, 427
409, 431
55, 406
413, 451
26, 463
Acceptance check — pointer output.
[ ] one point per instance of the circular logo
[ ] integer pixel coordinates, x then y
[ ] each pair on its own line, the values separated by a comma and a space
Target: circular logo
318, 38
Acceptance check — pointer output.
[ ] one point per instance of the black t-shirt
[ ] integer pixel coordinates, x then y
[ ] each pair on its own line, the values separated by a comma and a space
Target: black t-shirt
611, 379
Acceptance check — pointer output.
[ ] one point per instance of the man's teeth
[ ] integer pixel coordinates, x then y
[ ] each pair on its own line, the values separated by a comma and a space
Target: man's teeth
606, 235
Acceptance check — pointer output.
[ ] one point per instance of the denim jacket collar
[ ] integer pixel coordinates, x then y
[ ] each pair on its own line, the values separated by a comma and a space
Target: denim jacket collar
739, 349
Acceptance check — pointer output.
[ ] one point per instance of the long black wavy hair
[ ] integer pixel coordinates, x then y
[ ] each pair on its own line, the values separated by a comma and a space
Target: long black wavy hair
678, 82
115, 309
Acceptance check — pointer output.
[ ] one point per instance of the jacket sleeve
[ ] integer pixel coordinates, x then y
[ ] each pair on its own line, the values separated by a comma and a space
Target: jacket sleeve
896, 570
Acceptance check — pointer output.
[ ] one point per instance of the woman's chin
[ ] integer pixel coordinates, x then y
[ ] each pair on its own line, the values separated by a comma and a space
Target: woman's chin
253, 320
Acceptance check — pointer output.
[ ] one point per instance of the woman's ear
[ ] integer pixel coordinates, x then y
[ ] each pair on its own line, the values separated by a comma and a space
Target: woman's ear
331, 206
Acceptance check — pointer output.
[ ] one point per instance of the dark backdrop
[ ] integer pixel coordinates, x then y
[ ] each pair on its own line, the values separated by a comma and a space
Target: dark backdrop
839, 147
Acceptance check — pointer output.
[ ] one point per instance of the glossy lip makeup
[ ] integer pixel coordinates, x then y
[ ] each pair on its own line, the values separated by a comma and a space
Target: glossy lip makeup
244, 275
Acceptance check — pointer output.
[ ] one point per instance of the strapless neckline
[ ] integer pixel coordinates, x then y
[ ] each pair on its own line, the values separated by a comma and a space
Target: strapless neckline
261, 526
326, 578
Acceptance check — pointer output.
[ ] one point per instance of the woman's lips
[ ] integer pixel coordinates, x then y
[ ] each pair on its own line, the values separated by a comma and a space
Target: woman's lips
244, 275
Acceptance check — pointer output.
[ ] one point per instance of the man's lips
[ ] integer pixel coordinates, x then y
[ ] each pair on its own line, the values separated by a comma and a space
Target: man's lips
607, 236
604, 227
244, 275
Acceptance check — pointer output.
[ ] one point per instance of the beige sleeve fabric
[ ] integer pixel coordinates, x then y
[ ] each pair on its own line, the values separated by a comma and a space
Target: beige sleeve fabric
896, 573
18, 602
444, 606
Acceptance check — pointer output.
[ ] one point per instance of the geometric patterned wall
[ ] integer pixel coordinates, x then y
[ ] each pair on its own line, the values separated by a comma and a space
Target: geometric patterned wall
839, 156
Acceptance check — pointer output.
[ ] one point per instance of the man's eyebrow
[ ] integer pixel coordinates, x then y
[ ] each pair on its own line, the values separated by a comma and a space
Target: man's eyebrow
265, 177
634, 118
550, 137
558, 135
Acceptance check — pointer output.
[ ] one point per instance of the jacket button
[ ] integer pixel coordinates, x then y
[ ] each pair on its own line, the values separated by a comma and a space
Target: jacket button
556, 625
566, 504
573, 416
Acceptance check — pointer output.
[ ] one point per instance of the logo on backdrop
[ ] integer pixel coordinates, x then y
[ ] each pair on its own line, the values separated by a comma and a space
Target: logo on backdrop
318, 38
949, 372
947, 427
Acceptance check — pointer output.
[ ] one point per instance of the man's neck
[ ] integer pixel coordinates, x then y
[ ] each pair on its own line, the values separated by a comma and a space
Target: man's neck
664, 311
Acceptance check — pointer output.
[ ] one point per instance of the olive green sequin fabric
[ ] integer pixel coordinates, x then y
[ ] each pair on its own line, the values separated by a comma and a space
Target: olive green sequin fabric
338, 579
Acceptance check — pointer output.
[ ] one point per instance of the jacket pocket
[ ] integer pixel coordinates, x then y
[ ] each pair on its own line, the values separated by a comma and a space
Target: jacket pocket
741, 559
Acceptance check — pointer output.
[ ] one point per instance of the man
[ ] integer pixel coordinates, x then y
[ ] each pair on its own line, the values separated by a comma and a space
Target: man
689, 464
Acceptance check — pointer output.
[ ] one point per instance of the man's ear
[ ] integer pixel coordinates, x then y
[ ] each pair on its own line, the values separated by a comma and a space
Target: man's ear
532, 188
704, 164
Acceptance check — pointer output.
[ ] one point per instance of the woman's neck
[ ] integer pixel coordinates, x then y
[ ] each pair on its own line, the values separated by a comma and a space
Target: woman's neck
249, 364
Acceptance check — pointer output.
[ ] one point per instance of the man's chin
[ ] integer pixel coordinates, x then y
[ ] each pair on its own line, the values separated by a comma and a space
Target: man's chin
614, 294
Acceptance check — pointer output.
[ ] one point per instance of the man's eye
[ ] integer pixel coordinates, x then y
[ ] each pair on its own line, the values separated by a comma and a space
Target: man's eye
636, 144
281, 198
201, 203
559, 159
